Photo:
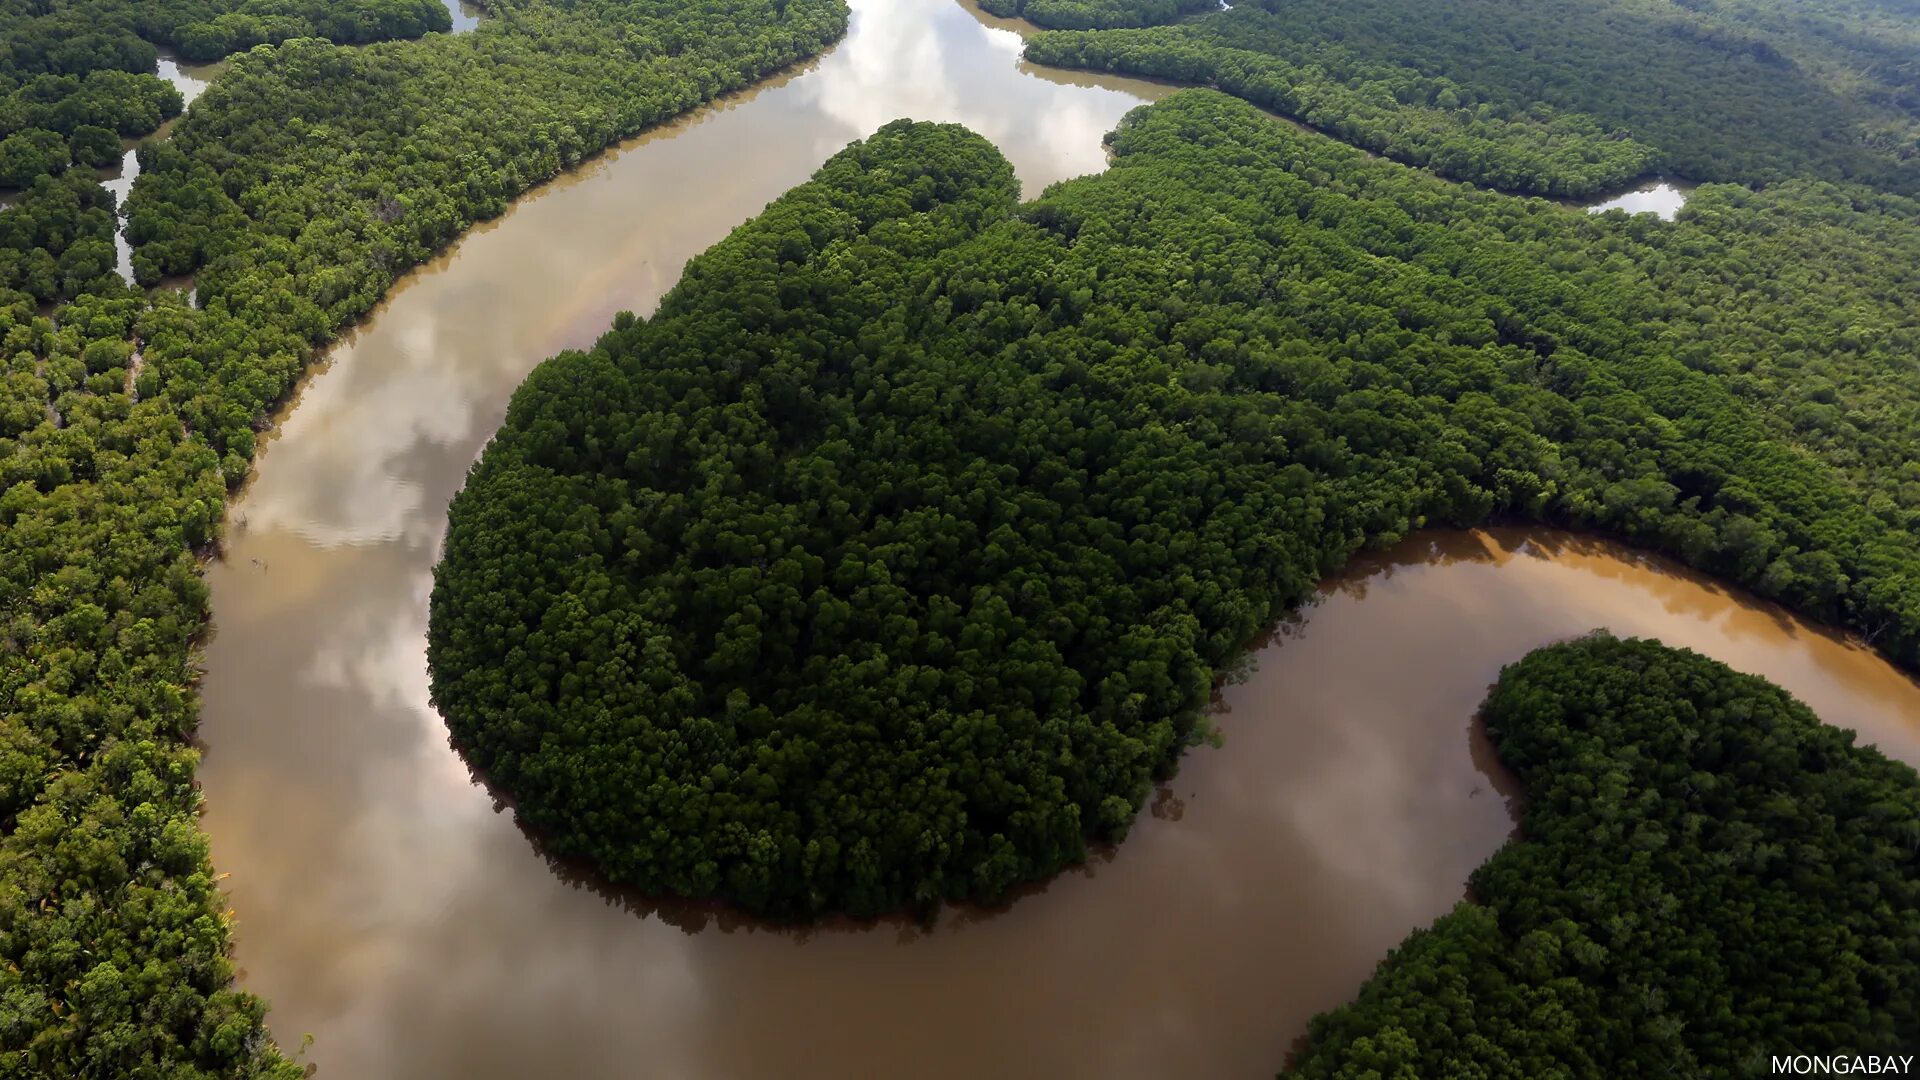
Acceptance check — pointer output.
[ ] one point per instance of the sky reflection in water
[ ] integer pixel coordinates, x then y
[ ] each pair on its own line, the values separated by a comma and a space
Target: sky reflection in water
386, 906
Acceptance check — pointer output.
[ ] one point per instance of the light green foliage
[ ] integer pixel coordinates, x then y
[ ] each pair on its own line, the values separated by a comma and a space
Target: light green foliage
897, 553
66, 65
1708, 876
112, 938
300, 225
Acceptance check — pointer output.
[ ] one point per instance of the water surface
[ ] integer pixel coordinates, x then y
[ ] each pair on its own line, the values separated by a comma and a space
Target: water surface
190, 79
466, 15
1662, 198
386, 906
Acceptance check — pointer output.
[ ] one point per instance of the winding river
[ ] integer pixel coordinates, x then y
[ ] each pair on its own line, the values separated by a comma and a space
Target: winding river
388, 908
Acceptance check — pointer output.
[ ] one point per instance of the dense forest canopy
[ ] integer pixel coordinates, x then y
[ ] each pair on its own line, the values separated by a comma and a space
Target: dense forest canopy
71, 68
75, 37
1563, 97
893, 558
1707, 876
896, 554
1096, 14
125, 417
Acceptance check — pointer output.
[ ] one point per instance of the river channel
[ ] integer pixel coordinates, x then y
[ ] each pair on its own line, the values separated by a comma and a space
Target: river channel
191, 80
387, 907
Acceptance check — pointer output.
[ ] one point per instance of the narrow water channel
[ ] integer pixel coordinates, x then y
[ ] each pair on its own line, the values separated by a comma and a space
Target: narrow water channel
466, 15
388, 908
190, 80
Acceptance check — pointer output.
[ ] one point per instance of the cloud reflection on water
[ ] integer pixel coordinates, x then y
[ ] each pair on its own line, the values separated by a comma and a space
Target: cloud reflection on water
386, 906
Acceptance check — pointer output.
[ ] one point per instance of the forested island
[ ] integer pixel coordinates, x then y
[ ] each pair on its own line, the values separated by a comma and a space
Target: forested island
302, 184
1706, 876
1096, 14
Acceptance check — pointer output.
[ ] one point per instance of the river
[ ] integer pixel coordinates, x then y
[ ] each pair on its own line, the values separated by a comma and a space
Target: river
386, 906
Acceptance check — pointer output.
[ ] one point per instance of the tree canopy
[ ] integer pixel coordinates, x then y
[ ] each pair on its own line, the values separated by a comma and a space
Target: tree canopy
895, 555
1564, 97
1706, 876
76, 37
127, 415
70, 66
893, 558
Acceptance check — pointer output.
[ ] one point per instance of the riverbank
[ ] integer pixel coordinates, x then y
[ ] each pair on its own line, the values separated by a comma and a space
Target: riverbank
105, 518
393, 910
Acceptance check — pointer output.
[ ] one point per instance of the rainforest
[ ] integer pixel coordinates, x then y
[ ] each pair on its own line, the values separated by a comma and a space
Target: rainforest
128, 416
1647, 921
895, 562
955, 445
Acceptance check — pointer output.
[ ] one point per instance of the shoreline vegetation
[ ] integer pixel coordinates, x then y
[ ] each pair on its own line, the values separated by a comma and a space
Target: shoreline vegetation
1566, 99
956, 442
1244, 352
1706, 875
113, 938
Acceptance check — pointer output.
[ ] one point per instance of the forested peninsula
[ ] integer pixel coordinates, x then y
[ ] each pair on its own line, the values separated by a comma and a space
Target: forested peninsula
1561, 97
897, 554
300, 186
893, 559
1707, 876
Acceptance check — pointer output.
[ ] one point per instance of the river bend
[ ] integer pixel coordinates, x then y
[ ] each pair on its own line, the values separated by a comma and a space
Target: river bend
387, 907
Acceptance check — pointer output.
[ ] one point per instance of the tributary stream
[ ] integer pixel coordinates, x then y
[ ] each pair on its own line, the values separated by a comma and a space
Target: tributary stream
386, 907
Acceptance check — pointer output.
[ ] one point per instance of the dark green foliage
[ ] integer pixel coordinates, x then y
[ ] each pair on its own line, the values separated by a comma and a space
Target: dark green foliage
50, 37
94, 146
1025, 476
1709, 876
65, 64
898, 551
125, 416
25, 156
208, 30
1565, 97
76, 37
127, 104
1096, 14
51, 241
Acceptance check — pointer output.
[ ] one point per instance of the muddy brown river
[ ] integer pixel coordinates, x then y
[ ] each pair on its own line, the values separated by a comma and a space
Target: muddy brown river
386, 907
